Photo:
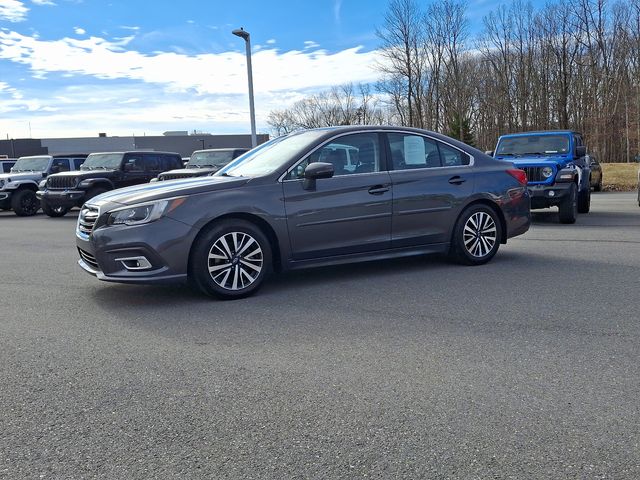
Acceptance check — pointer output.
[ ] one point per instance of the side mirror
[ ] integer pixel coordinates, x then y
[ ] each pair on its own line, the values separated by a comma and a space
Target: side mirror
489, 152
315, 171
581, 151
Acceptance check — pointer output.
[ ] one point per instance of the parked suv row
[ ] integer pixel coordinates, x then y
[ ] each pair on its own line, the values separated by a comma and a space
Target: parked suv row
100, 173
18, 187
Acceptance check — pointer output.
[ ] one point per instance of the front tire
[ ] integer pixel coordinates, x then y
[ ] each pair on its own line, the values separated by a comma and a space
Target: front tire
25, 203
230, 259
584, 201
54, 212
568, 209
476, 236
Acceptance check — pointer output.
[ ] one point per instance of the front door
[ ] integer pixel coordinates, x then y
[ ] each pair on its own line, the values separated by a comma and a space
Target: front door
348, 213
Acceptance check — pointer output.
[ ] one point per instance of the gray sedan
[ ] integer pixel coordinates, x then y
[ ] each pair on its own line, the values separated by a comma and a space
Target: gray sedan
315, 197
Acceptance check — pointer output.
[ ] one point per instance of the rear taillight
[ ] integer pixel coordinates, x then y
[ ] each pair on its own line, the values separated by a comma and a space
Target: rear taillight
519, 175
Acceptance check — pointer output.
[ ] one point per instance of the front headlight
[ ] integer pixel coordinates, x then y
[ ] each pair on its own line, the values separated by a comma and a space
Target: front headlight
42, 184
143, 213
547, 172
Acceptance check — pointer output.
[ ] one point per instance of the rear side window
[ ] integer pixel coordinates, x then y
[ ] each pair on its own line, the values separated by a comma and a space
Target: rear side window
413, 151
77, 162
6, 167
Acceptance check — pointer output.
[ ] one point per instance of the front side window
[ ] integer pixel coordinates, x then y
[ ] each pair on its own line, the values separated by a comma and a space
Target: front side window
349, 154
134, 163
62, 164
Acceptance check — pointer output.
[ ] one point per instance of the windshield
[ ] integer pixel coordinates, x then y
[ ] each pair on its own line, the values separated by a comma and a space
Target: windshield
31, 164
104, 161
210, 159
270, 156
533, 145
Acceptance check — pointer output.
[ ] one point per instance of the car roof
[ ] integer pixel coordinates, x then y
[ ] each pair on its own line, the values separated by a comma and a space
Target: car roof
541, 132
137, 151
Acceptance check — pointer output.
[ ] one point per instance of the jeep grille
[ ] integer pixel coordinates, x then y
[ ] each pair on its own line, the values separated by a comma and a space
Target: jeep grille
87, 220
534, 174
61, 182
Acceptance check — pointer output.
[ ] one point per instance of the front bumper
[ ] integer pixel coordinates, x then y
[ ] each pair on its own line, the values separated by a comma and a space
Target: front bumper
5, 196
545, 196
164, 244
62, 198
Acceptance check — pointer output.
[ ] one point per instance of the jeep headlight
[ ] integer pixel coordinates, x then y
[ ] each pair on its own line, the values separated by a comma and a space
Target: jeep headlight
143, 213
547, 172
42, 184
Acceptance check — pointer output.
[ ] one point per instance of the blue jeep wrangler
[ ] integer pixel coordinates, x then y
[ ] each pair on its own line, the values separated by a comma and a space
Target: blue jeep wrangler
557, 170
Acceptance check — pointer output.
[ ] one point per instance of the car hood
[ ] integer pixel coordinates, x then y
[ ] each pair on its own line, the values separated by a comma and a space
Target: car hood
149, 192
82, 174
538, 160
191, 171
15, 177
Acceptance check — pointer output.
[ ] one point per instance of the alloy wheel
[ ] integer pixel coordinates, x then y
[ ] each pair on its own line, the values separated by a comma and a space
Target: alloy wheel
235, 261
480, 234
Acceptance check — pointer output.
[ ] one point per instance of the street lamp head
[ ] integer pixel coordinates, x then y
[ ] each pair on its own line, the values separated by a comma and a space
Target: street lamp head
240, 32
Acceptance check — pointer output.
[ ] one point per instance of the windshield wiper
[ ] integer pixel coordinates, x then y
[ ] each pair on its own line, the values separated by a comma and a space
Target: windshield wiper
225, 174
506, 154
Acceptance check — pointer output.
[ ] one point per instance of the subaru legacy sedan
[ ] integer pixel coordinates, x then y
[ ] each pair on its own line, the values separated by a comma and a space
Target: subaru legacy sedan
311, 198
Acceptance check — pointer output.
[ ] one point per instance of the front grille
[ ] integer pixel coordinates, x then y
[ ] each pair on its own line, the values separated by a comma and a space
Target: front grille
175, 176
61, 182
89, 259
86, 220
534, 174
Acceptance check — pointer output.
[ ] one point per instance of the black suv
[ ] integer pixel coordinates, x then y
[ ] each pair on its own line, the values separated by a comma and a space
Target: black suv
100, 173
204, 162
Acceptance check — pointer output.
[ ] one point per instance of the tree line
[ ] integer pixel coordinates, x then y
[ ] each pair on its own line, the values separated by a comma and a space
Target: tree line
571, 64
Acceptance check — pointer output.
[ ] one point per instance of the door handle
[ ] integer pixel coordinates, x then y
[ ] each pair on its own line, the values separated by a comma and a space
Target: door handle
378, 189
456, 180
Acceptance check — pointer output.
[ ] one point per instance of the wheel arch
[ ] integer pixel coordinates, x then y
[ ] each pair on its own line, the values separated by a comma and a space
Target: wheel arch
495, 207
259, 222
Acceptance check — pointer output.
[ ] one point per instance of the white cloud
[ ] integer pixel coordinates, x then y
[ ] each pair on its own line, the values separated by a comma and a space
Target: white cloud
13, 10
43, 2
221, 73
310, 44
79, 30
271, 41
122, 91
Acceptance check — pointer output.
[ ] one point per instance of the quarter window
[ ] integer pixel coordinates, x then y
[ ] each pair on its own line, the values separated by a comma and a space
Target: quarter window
349, 154
452, 157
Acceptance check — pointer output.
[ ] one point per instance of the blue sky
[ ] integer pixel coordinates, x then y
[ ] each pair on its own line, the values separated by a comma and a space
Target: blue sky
79, 67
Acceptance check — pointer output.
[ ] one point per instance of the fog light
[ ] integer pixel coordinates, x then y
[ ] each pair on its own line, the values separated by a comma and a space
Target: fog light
135, 263
552, 193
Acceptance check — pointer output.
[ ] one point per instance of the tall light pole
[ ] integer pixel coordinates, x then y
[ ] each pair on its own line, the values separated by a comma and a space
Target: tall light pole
240, 32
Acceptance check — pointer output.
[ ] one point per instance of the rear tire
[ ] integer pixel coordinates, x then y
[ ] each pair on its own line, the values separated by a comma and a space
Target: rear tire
230, 259
584, 201
25, 203
568, 209
476, 236
54, 212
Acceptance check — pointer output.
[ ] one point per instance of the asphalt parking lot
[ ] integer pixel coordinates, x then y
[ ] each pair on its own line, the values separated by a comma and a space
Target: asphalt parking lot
527, 367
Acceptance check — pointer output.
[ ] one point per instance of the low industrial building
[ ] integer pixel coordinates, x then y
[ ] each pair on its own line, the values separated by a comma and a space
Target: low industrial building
183, 144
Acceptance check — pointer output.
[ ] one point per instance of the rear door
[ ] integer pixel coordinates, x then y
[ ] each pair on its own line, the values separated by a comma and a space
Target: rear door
430, 182
348, 213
